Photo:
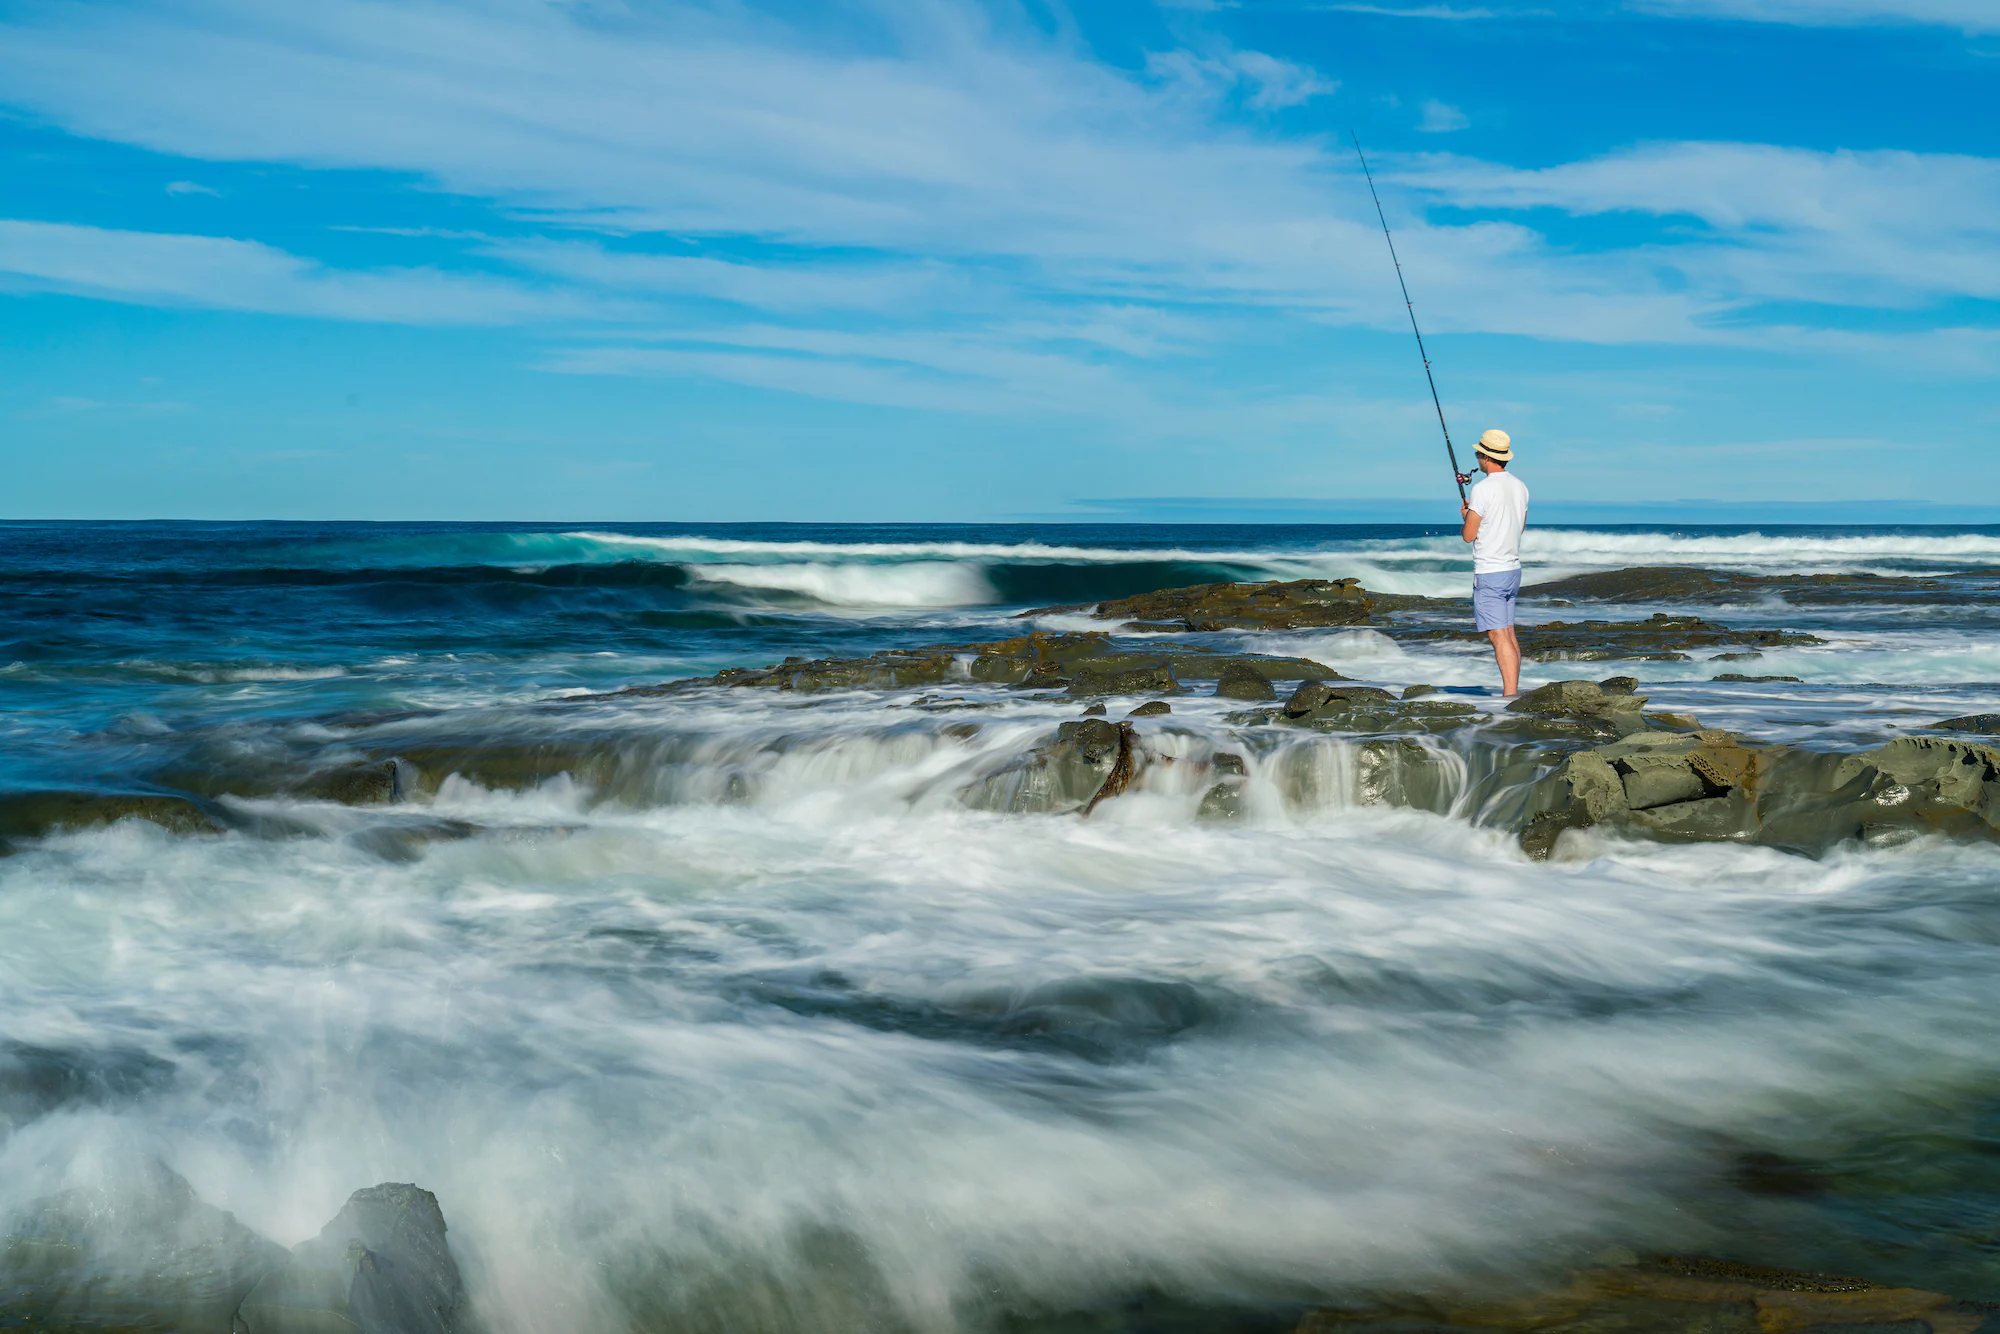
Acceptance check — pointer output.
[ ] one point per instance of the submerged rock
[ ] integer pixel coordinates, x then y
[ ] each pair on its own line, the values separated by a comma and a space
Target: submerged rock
380, 1267
1673, 583
1755, 680
1661, 638
36, 814
1063, 775
149, 1256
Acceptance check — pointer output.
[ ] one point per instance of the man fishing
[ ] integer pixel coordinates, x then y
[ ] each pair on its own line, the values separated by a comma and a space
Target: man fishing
1495, 513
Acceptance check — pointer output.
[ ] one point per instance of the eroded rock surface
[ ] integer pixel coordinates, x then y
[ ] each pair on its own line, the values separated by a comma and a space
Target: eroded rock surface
1670, 583
380, 1267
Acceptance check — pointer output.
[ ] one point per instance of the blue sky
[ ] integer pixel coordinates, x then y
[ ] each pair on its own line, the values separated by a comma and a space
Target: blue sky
953, 260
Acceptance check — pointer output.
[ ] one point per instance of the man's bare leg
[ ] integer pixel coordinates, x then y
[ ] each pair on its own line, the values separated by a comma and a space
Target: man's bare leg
1507, 652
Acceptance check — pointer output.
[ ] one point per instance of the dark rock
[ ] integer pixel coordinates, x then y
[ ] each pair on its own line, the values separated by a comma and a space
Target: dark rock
1417, 692
1736, 657
1225, 762
1151, 709
1229, 606
1042, 676
1671, 583
1224, 801
1618, 685
1754, 680
34, 814
1242, 681
1154, 680
1061, 776
1985, 724
381, 1266
1095, 711
356, 784
1662, 638
1584, 701
148, 1256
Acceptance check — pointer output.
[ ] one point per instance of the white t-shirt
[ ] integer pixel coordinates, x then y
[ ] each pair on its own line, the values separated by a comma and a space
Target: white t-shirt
1501, 501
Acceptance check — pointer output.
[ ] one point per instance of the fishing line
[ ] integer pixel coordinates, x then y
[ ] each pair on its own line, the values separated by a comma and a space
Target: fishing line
1457, 476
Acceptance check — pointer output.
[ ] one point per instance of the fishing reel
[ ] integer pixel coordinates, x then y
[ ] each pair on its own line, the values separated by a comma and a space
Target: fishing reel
1464, 477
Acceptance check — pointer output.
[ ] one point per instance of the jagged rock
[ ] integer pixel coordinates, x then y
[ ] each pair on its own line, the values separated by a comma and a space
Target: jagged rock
1154, 680
149, 1256
1754, 680
1151, 709
1985, 724
382, 1266
1618, 685
1229, 606
1417, 692
1242, 681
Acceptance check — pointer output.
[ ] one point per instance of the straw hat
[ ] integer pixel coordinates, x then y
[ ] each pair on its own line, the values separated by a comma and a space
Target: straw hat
1496, 445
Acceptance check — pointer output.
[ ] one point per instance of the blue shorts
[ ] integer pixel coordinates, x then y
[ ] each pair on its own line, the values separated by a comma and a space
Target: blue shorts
1493, 599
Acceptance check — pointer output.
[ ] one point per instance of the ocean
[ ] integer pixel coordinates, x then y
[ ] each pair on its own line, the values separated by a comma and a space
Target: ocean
719, 1009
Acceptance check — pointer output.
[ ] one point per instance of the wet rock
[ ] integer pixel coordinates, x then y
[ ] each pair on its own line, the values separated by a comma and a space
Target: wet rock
1095, 711
1671, 583
1618, 685
1242, 681
1042, 676
1230, 606
368, 784
1754, 680
1063, 775
1224, 801
1662, 638
1682, 1293
1586, 702
1736, 657
1984, 724
1227, 762
1154, 680
149, 1255
382, 1266
1151, 709
1315, 696
1418, 692
36, 814
1693, 786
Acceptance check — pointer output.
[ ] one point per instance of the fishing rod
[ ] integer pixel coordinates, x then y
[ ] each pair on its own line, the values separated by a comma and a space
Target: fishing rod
1450, 453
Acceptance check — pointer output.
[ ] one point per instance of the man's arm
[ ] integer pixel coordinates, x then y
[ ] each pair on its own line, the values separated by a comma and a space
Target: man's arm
1471, 530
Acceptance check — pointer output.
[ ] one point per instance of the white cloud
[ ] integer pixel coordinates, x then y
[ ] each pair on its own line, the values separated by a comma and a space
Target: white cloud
1442, 118
1880, 229
1967, 15
164, 269
993, 207
191, 188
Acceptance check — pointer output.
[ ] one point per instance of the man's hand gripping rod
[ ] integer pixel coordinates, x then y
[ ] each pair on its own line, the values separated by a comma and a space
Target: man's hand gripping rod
1457, 476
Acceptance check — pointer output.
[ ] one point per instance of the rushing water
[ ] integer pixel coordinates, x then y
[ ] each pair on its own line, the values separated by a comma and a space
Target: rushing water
728, 1015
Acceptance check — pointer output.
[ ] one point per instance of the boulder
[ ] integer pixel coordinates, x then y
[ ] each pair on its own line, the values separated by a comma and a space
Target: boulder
1151, 709
1241, 681
382, 1266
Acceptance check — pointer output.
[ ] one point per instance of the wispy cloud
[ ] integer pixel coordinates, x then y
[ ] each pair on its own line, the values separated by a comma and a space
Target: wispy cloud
191, 188
932, 206
1972, 16
1442, 118
156, 268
